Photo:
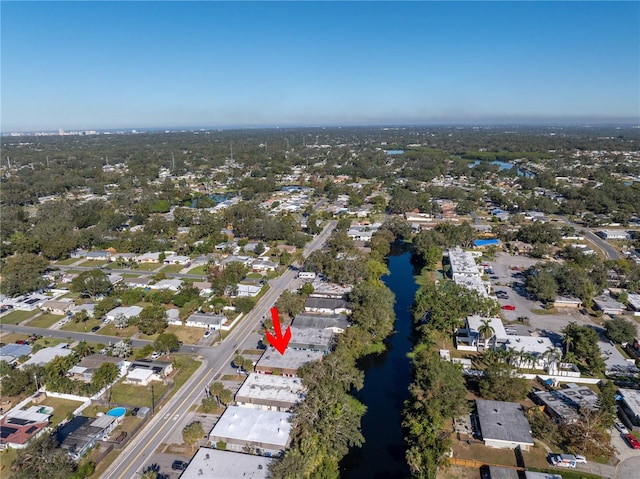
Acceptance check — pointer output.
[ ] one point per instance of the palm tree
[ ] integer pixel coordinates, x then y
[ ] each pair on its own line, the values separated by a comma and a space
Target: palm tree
551, 356
83, 349
486, 331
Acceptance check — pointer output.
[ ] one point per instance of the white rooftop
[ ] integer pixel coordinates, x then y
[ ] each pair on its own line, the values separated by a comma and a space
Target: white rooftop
272, 387
211, 463
291, 359
462, 262
532, 344
127, 311
474, 283
254, 425
475, 321
139, 374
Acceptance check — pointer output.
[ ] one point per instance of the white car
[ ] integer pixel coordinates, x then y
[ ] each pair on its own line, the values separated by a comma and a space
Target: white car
621, 427
580, 459
207, 333
155, 355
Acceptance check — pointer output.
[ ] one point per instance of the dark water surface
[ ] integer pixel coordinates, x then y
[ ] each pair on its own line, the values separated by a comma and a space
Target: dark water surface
387, 377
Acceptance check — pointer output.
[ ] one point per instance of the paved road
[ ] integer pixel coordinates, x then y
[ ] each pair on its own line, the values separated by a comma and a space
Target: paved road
134, 458
609, 251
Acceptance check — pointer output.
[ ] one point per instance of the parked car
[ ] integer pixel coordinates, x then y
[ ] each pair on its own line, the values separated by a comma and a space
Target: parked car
509, 307
580, 459
621, 427
155, 355
95, 328
632, 441
207, 333
563, 460
179, 465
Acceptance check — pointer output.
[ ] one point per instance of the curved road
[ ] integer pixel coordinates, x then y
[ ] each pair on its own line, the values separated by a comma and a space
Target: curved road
132, 460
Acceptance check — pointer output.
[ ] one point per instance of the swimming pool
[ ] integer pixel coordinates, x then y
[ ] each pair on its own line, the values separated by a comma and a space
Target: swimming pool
117, 412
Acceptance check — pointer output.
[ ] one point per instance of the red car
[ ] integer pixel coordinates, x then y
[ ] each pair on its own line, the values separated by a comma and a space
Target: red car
509, 307
633, 442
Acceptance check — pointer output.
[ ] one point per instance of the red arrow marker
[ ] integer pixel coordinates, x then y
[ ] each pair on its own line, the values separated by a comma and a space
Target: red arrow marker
278, 341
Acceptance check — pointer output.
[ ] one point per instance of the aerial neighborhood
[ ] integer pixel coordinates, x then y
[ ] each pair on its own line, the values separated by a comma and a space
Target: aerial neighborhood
237, 301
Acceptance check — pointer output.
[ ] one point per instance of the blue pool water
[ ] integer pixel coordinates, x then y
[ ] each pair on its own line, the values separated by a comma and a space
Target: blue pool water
117, 412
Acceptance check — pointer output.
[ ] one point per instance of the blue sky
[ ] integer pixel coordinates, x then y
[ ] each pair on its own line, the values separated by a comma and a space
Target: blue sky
100, 65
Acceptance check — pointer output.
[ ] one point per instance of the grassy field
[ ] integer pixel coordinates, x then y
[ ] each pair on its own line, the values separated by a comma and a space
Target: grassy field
9, 338
67, 262
110, 330
172, 268
45, 321
198, 270
50, 342
148, 266
93, 263
186, 334
81, 327
16, 317
61, 408
7, 456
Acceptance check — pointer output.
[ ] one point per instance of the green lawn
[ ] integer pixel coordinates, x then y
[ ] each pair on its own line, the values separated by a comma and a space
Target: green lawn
16, 317
71, 296
61, 408
93, 263
45, 321
67, 262
50, 342
110, 330
172, 268
81, 327
148, 266
198, 270
141, 395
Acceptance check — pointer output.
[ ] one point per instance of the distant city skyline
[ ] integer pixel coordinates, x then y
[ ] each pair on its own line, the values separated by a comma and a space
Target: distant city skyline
155, 65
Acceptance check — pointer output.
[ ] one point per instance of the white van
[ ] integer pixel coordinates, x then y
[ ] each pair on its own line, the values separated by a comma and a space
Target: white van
563, 460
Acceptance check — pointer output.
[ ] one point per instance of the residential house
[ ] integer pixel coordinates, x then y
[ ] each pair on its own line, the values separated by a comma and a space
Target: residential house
566, 405
98, 255
82, 433
247, 290
609, 234
46, 355
203, 320
18, 427
11, 352
161, 369
503, 425
83, 371
263, 265
567, 302
608, 305
57, 307
630, 409
126, 311
204, 287
178, 259
259, 431
141, 282
270, 392
171, 284
148, 258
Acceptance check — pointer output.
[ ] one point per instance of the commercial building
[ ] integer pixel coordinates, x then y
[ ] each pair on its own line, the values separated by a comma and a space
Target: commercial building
337, 323
503, 425
208, 463
609, 234
311, 339
463, 263
287, 364
468, 338
262, 432
270, 392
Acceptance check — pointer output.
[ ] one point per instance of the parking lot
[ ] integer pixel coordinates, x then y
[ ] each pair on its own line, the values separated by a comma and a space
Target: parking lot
507, 277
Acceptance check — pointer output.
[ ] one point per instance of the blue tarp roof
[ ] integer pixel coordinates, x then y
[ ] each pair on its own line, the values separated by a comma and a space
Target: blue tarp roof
486, 242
